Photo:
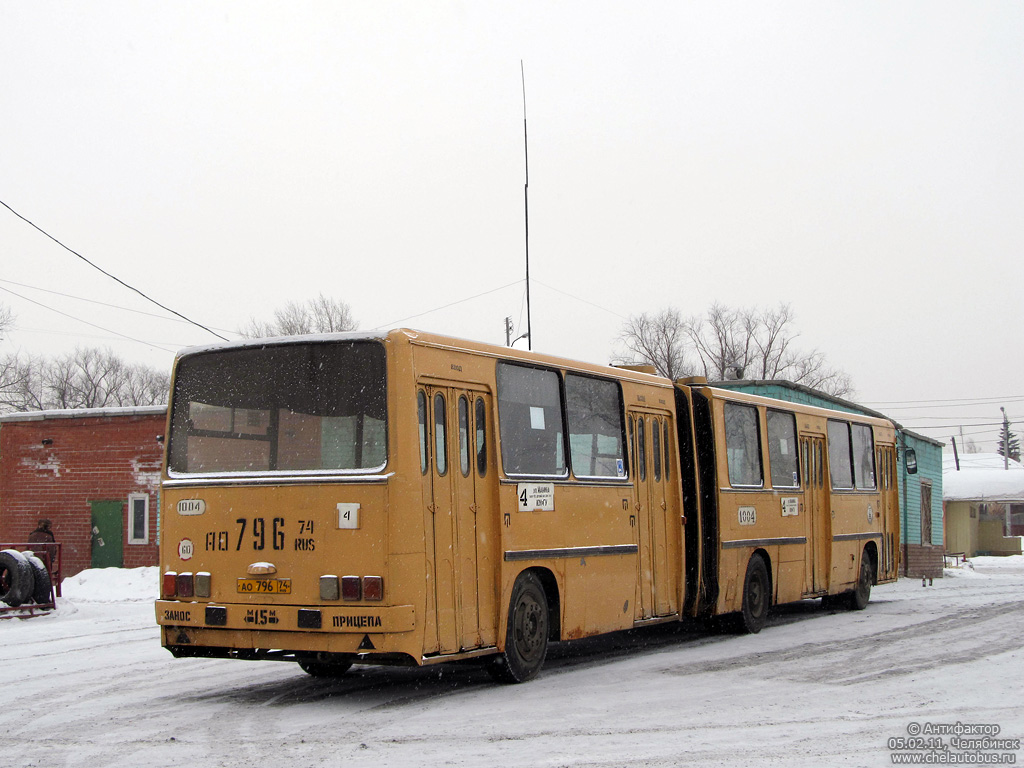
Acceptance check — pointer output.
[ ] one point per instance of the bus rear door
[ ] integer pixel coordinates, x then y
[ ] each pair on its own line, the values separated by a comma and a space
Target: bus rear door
458, 519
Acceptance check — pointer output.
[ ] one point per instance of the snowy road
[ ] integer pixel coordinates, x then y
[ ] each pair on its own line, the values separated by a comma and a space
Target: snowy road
91, 686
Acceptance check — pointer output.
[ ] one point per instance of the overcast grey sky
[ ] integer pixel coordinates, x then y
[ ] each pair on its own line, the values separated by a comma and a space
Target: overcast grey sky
861, 161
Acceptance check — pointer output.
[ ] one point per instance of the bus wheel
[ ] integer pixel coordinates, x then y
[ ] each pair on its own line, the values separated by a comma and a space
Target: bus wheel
862, 594
322, 669
756, 596
526, 637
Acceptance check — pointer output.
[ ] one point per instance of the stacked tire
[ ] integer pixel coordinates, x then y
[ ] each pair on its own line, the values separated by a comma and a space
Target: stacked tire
23, 579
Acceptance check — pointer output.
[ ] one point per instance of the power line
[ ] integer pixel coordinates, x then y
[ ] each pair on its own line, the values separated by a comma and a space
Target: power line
112, 277
77, 335
953, 405
393, 323
101, 303
950, 400
955, 426
65, 314
584, 301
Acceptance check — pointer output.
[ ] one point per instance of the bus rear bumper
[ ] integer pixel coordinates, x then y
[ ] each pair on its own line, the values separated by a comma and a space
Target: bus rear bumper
288, 632
287, 618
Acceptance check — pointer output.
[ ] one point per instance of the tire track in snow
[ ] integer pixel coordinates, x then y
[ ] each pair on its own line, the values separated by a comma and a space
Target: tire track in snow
853, 655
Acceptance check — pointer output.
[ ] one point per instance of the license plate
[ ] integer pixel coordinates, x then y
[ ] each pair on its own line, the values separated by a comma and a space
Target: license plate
265, 586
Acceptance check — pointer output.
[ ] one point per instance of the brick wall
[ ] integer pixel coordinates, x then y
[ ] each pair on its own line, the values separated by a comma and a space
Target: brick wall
923, 560
98, 455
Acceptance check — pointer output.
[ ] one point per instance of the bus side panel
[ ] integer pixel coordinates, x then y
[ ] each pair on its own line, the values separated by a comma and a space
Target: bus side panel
592, 590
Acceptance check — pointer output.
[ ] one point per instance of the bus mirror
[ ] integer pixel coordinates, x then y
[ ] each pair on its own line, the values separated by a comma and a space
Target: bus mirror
910, 461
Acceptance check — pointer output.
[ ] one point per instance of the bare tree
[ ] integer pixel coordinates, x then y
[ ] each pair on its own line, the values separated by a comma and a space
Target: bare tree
6, 321
146, 386
86, 378
319, 315
659, 340
728, 343
14, 381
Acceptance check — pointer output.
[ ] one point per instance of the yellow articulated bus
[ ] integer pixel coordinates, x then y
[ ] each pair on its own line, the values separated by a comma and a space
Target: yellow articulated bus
408, 498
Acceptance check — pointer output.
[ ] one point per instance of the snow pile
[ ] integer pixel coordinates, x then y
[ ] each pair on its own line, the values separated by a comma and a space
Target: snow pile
991, 561
964, 572
112, 585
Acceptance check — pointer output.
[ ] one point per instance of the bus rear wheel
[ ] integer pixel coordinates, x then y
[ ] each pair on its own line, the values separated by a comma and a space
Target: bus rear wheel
861, 595
526, 636
756, 596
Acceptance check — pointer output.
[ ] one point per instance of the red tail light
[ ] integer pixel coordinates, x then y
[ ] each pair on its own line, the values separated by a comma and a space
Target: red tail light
185, 588
351, 588
373, 588
169, 587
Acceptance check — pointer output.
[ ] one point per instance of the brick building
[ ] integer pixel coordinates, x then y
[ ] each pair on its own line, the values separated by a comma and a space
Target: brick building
95, 473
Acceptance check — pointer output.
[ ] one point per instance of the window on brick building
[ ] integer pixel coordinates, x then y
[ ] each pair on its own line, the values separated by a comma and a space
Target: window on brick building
138, 518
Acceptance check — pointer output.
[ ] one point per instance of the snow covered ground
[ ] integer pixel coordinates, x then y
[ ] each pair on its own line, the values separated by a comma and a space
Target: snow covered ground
90, 686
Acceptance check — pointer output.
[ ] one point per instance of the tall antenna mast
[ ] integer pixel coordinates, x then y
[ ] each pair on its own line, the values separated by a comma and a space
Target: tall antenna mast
526, 210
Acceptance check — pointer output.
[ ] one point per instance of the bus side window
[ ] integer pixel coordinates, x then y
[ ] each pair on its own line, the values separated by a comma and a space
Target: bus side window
641, 449
819, 460
481, 437
805, 466
632, 445
440, 435
667, 451
421, 410
782, 457
840, 458
863, 457
743, 445
464, 435
656, 448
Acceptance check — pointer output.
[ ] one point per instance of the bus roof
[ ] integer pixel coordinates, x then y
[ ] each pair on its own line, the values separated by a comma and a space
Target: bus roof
440, 341
788, 405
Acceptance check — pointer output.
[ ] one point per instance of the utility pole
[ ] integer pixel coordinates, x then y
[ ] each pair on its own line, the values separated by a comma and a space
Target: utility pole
1007, 518
1006, 439
526, 211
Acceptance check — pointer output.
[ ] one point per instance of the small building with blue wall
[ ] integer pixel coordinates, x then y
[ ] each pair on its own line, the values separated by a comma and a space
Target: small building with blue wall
921, 521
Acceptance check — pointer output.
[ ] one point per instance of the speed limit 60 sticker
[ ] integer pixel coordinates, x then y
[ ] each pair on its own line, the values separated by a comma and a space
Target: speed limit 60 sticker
185, 549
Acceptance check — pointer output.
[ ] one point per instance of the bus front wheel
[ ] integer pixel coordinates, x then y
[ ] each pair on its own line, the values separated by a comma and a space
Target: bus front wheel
756, 596
526, 636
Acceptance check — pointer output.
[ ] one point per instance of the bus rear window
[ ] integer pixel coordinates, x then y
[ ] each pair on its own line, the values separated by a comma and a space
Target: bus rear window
280, 408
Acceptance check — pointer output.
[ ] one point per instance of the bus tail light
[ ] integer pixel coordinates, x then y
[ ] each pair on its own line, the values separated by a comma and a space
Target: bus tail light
169, 587
373, 588
329, 589
202, 584
185, 585
351, 588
